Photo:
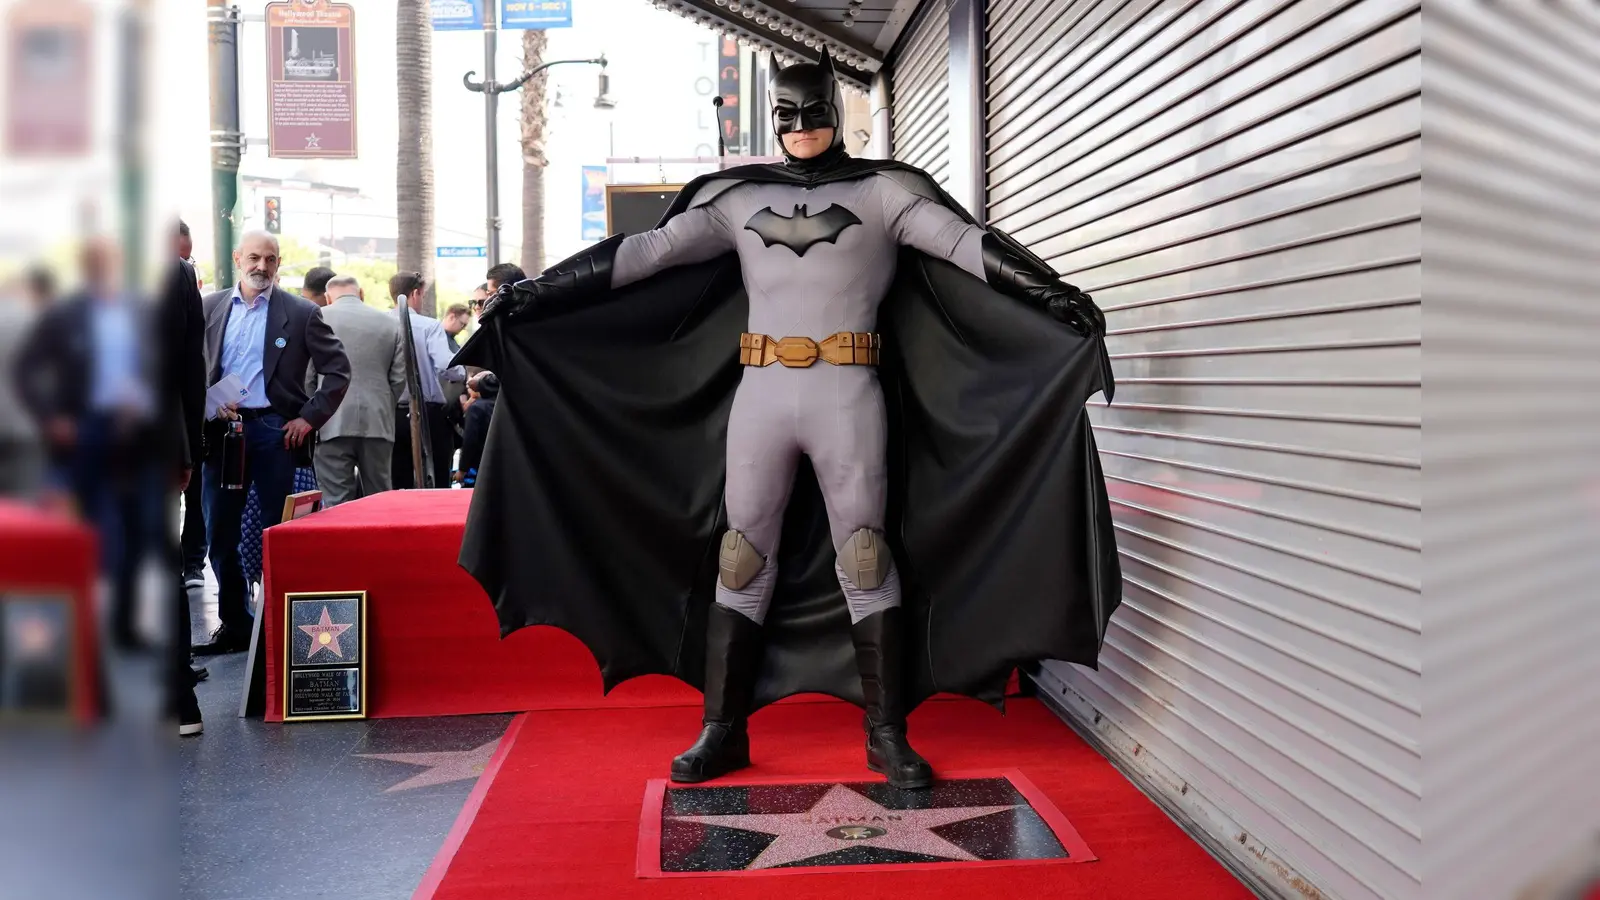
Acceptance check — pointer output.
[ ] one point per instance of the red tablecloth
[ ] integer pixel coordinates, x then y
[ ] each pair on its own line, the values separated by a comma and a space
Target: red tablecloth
433, 642
48, 553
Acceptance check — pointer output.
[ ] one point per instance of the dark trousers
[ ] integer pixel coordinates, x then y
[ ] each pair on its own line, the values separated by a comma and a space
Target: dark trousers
441, 441
194, 525
269, 466
121, 491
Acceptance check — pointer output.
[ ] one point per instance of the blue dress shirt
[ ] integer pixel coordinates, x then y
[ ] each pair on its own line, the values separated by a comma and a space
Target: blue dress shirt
118, 382
244, 344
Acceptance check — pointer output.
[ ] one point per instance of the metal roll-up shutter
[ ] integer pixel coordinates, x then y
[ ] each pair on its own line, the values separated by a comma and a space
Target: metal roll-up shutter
1513, 687
920, 82
1237, 182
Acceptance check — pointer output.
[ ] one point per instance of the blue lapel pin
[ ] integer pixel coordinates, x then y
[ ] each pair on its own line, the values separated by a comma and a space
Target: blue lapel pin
280, 343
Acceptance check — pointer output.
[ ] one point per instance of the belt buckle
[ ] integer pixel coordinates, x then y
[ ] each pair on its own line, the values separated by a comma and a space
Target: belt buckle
796, 352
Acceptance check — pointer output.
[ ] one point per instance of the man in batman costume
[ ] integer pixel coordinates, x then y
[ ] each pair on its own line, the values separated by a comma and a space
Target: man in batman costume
817, 431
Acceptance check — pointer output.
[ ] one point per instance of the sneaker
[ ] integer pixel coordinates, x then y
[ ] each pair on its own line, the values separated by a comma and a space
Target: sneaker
189, 723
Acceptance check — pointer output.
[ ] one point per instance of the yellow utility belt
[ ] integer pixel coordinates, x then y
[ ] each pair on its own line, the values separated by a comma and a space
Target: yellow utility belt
847, 348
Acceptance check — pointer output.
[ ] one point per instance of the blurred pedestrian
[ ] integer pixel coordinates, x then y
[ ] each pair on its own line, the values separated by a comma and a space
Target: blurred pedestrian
89, 373
355, 449
267, 338
21, 453
433, 355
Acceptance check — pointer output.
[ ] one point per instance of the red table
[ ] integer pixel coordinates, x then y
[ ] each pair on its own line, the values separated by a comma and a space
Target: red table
50, 553
433, 642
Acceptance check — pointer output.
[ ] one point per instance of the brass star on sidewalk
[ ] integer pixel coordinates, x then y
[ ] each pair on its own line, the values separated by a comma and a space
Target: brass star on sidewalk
844, 818
442, 767
325, 635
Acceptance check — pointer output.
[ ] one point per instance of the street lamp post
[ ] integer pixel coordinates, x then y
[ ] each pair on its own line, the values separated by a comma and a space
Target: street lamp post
491, 91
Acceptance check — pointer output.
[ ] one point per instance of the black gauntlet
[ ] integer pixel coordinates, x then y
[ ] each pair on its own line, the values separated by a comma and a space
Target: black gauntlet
1020, 275
579, 277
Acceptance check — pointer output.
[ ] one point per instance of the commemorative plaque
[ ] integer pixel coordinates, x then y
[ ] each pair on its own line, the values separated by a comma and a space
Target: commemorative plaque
325, 656
38, 665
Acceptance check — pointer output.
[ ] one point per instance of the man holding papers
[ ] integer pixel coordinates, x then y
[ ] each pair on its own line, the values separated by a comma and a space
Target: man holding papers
266, 339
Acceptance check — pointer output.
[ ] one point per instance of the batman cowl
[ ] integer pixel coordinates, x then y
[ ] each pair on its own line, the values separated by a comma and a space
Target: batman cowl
805, 97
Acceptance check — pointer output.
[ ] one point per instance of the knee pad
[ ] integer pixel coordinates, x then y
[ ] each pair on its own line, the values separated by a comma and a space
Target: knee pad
865, 559
738, 563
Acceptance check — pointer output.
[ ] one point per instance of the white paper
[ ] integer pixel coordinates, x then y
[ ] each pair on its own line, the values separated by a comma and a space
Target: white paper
227, 390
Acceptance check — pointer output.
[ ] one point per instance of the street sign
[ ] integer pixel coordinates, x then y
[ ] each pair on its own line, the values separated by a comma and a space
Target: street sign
460, 252
535, 14
457, 15
311, 74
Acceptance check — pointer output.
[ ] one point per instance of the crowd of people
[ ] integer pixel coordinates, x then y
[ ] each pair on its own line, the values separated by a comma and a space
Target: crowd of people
109, 410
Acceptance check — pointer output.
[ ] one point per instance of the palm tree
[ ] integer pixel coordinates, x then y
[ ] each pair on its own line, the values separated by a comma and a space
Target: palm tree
414, 55
534, 123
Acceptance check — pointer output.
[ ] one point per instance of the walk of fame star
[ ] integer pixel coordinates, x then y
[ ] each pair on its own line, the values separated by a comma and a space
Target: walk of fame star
843, 819
313, 142
442, 767
325, 635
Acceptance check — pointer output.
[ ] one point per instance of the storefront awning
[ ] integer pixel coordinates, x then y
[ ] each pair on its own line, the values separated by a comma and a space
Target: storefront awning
858, 33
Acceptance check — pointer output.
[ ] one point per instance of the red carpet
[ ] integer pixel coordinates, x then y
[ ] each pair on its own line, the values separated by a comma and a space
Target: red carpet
557, 812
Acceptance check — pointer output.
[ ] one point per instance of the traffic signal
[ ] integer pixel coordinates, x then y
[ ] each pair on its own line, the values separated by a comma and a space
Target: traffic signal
274, 216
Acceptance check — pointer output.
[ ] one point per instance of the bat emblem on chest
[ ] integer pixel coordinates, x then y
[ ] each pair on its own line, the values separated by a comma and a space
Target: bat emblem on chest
800, 231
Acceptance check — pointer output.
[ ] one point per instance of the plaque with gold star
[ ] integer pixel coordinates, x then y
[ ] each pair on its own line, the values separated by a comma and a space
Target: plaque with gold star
38, 666
324, 649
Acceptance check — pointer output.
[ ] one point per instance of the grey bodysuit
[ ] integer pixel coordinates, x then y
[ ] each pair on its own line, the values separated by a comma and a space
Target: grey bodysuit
832, 414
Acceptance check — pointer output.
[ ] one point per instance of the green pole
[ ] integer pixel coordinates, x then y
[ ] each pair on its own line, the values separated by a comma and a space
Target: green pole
130, 149
226, 141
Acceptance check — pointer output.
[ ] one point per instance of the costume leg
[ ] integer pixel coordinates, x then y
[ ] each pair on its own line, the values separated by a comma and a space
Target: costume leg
762, 455
846, 438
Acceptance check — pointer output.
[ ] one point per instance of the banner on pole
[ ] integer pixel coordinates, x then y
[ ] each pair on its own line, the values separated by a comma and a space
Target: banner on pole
594, 203
535, 14
311, 78
48, 76
457, 15
728, 88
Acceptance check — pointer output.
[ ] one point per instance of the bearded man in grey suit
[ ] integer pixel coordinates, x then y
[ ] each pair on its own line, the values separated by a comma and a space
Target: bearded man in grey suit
357, 442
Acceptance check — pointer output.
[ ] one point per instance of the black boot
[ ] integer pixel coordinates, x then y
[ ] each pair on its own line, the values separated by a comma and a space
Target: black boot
880, 657
733, 656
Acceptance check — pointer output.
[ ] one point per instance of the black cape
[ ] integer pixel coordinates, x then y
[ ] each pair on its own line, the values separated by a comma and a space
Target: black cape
598, 507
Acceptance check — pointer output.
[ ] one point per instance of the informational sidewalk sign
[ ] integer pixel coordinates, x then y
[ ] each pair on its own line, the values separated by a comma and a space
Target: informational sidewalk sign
460, 252
728, 88
311, 77
594, 203
457, 15
48, 74
535, 14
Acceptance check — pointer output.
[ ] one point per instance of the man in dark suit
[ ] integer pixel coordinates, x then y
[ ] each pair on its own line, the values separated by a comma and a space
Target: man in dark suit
267, 338
182, 320
91, 375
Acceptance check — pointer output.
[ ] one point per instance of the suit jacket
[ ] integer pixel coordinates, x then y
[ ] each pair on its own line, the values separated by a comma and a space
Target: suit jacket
183, 320
307, 342
371, 340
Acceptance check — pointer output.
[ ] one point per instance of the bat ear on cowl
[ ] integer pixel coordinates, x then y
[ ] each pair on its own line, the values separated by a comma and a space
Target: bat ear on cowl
776, 63
827, 64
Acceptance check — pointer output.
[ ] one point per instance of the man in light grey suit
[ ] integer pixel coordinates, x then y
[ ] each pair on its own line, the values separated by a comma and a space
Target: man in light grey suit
267, 338
359, 438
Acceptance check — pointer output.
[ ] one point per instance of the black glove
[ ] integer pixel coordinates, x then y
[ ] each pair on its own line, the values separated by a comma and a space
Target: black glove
582, 276
1019, 275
